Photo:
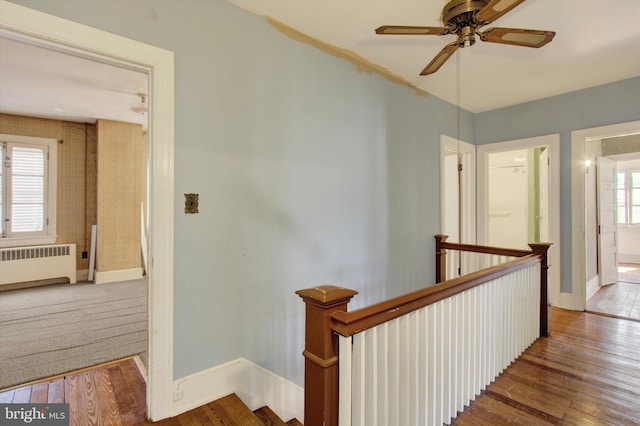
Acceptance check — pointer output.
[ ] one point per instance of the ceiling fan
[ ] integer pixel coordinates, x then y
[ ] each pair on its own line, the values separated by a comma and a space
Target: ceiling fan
464, 18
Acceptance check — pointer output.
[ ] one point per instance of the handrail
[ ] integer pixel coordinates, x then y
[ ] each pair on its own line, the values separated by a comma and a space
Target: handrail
327, 316
350, 323
500, 251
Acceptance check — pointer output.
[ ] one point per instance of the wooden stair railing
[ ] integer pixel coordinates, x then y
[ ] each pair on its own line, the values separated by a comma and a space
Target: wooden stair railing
539, 249
326, 315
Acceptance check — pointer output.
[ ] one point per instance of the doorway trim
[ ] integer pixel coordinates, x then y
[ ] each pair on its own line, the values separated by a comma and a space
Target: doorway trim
31, 26
467, 187
553, 142
578, 299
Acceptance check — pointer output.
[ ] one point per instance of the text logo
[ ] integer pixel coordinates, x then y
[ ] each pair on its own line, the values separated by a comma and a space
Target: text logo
34, 414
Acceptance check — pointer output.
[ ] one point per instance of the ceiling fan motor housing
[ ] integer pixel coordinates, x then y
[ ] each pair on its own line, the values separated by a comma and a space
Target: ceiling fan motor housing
459, 17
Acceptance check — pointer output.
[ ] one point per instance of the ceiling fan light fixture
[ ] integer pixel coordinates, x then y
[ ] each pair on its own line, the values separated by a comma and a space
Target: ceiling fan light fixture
464, 18
467, 37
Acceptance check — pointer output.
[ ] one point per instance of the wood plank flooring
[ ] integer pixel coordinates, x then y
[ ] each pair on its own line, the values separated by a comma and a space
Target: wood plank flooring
619, 300
111, 394
586, 373
629, 272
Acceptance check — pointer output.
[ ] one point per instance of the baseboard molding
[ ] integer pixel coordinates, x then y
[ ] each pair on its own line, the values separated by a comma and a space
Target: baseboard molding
255, 385
568, 301
593, 285
628, 258
102, 277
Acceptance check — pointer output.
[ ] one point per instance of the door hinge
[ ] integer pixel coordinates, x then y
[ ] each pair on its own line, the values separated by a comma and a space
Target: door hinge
599, 230
459, 271
459, 167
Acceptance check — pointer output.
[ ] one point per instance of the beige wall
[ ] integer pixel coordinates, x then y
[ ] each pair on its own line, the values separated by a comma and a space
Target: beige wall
101, 165
76, 207
121, 189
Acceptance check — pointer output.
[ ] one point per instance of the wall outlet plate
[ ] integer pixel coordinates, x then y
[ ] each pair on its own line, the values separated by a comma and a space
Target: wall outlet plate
190, 203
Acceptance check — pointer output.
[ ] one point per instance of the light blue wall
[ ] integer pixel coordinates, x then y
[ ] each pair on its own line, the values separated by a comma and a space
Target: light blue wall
599, 106
308, 171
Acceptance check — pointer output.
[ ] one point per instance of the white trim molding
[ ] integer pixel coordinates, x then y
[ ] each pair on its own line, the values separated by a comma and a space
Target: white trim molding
255, 385
103, 277
468, 218
31, 26
578, 208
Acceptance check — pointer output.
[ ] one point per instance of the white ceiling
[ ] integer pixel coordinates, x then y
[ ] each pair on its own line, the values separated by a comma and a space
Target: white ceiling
38, 82
596, 42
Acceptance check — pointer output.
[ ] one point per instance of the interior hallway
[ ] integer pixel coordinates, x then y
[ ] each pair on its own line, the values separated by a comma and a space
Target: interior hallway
585, 373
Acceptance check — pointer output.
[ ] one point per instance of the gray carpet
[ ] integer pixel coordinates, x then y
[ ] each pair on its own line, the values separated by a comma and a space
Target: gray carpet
54, 329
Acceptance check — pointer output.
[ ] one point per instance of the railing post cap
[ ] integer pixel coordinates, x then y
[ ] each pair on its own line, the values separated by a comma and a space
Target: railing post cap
540, 246
326, 294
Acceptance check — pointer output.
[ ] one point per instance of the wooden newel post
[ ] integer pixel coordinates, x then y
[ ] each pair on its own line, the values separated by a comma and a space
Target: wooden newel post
441, 258
321, 353
542, 249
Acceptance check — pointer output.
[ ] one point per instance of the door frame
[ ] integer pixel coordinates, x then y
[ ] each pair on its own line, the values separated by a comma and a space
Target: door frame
577, 299
467, 187
553, 143
35, 27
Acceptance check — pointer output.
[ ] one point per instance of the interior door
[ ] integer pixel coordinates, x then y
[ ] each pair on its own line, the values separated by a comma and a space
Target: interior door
543, 184
607, 227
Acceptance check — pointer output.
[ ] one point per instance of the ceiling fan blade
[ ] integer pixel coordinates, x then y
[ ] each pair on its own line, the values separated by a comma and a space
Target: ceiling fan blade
440, 59
517, 37
495, 9
411, 30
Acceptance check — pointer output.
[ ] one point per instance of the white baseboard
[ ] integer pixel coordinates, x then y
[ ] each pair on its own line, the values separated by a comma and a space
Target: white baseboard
568, 301
255, 385
593, 285
628, 258
117, 276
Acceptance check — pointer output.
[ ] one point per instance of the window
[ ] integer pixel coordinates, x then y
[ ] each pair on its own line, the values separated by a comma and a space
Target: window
28, 187
628, 197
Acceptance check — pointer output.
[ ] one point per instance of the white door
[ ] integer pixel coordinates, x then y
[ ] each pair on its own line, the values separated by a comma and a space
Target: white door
458, 198
543, 184
607, 227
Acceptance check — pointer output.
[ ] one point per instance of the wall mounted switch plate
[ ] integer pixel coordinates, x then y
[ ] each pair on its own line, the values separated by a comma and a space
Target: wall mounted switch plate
190, 203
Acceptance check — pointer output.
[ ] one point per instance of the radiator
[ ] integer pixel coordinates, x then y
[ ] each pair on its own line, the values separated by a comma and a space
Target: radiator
21, 264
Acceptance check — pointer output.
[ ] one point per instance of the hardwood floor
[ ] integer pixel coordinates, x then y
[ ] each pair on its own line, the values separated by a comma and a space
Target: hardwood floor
618, 300
629, 272
586, 373
111, 394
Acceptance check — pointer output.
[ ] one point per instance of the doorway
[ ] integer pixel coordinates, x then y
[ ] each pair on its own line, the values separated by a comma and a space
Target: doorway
581, 141
457, 195
534, 204
26, 25
613, 226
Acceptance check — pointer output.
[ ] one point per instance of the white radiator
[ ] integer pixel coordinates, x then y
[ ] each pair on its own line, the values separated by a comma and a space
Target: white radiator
21, 264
